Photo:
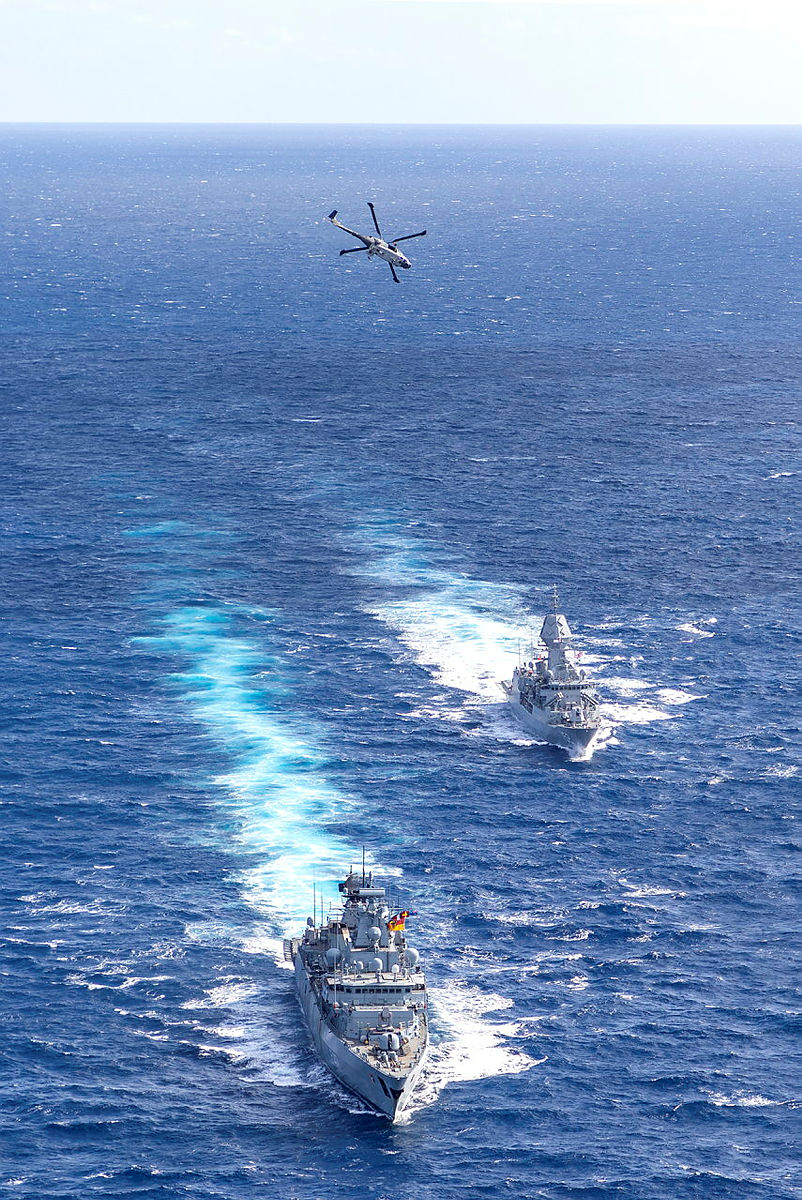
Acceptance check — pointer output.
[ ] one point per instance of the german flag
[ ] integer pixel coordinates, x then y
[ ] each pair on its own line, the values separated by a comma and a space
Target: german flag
397, 923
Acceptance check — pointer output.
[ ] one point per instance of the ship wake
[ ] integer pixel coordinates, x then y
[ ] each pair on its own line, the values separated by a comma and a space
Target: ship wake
276, 788
475, 1041
284, 809
468, 635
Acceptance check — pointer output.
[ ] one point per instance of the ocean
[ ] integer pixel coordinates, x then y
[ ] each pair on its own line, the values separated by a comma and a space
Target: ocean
274, 529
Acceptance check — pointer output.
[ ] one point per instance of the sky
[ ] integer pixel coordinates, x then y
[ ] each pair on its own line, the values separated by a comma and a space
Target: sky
406, 61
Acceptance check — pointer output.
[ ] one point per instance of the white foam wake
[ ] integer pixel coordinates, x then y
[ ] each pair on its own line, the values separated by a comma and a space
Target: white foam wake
230, 1020
277, 786
476, 1045
469, 634
450, 631
477, 1048
284, 806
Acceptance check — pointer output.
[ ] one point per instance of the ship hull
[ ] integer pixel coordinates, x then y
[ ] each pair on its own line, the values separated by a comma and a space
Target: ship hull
386, 1093
579, 741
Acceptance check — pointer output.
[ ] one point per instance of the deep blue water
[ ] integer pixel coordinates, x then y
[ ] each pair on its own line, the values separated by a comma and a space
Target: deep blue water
273, 529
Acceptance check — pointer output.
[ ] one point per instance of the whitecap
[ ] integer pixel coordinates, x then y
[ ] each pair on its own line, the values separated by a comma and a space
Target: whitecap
778, 771
743, 1101
676, 696
642, 891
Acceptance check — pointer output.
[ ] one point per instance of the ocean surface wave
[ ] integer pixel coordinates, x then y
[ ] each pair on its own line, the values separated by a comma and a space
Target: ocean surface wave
273, 534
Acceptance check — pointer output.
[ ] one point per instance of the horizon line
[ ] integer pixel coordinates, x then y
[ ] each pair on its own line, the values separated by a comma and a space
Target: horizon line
427, 124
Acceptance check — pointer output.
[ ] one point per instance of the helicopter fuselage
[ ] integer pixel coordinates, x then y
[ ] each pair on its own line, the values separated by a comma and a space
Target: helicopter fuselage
382, 249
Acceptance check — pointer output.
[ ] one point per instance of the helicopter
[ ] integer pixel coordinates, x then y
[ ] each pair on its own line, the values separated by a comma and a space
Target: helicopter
376, 246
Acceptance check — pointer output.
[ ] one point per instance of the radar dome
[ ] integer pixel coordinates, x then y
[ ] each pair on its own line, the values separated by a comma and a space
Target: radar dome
333, 956
412, 956
376, 964
374, 933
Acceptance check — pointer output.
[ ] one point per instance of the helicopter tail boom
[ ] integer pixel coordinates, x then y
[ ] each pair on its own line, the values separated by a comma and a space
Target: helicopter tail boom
333, 218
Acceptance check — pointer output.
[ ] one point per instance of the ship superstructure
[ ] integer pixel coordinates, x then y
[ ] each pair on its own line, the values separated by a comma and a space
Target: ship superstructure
363, 995
551, 695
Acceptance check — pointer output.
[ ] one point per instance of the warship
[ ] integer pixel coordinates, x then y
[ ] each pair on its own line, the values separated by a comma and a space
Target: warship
363, 995
551, 696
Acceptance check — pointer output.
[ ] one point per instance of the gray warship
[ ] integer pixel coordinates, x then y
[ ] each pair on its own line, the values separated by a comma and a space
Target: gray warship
551, 696
364, 996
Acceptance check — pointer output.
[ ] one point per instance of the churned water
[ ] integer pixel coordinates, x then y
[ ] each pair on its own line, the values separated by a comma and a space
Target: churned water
274, 529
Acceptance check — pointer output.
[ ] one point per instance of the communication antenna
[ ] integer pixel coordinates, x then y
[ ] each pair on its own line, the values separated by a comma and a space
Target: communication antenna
314, 902
363, 866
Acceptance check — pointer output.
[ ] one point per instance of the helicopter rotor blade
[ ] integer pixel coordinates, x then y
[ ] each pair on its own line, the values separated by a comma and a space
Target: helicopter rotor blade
407, 236
373, 214
392, 268
354, 250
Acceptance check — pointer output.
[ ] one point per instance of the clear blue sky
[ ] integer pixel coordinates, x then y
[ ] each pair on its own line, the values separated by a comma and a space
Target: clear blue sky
710, 61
